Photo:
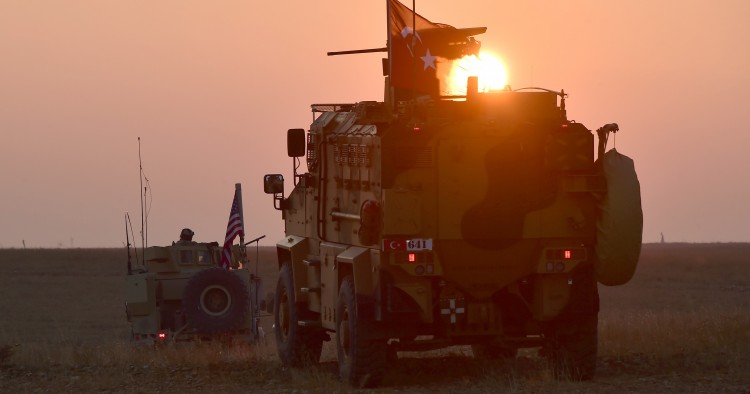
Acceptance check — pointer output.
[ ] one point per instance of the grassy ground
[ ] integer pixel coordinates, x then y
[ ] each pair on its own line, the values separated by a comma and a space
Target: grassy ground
681, 325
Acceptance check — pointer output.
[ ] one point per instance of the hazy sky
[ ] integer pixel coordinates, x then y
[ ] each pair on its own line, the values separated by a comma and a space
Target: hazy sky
212, 87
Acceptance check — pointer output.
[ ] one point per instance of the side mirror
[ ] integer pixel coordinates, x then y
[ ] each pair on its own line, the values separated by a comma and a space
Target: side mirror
295, 142
273, 184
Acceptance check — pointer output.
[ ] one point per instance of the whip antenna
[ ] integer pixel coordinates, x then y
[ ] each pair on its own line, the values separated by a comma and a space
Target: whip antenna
129, 224
141, 197
144, 204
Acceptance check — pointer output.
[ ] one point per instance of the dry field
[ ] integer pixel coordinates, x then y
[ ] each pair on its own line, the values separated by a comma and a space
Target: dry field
681, 325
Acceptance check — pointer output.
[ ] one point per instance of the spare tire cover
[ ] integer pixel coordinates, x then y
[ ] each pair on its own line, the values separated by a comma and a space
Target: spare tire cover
620, 224
216, 300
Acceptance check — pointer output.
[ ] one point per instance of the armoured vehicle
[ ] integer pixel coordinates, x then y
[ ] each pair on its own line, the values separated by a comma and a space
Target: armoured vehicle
181, 293
428, 222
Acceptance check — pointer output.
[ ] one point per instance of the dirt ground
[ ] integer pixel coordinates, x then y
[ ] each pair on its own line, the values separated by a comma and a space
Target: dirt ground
681, 325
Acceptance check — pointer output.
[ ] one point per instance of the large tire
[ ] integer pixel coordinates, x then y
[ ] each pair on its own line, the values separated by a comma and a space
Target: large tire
296, 345
216, 301
362, 362
575, 354
574, 344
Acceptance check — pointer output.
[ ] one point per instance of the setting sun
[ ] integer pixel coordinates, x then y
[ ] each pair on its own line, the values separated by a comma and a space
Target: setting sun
486, 66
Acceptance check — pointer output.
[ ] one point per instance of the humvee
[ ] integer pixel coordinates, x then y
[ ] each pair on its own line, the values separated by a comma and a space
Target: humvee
181, 293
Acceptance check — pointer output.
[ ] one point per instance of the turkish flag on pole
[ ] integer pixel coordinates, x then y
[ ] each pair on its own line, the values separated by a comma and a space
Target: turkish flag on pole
413, 65
418, 47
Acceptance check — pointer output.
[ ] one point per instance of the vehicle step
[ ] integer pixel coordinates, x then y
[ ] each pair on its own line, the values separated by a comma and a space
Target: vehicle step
309, 290
311, 262
309, 323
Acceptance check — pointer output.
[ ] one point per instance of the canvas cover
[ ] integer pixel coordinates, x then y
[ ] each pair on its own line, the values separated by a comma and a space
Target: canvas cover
620, 225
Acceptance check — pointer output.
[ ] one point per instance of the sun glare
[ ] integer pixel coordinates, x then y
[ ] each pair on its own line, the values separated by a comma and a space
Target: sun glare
487, 67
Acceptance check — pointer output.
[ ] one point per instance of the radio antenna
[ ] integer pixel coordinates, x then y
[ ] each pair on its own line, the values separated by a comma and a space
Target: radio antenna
142, 197
127, 239
145, 204
129, 224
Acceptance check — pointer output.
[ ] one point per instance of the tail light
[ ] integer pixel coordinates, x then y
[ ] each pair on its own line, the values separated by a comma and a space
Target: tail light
562, 259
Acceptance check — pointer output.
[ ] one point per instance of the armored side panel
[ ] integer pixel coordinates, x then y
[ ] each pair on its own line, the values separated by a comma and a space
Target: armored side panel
331, 271
140, 303
494, 183
294, 250
161, 259
171, 286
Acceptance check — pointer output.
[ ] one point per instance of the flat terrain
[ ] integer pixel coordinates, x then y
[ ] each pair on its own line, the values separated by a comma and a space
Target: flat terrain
681, 325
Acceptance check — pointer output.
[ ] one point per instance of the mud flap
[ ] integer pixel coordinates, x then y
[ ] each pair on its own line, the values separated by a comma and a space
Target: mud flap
370, 328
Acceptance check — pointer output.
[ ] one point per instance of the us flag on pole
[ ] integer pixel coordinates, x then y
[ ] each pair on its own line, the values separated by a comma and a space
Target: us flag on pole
235, 227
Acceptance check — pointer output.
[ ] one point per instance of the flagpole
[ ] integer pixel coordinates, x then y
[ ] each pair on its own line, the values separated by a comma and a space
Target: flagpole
413, 44
238, 192
389, 93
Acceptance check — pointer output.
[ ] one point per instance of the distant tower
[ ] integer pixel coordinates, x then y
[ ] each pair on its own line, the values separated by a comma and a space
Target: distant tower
662, 237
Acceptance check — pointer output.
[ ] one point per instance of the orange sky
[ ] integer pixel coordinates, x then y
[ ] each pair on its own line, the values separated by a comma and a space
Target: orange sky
211, 87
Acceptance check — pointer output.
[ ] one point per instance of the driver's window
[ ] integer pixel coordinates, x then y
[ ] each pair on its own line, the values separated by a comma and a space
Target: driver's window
186, 256
204, 257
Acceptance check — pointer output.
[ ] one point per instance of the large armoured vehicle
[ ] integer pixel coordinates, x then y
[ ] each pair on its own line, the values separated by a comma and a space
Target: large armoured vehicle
180, 292
423, 223
483, 222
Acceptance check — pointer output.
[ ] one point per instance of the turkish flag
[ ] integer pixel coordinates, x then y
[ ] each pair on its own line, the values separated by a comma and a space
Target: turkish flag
418, 48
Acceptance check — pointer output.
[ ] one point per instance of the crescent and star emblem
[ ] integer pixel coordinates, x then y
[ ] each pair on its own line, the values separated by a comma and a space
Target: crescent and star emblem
428, 59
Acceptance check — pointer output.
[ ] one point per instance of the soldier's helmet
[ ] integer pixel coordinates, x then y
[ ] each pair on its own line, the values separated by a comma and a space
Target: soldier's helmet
186, 234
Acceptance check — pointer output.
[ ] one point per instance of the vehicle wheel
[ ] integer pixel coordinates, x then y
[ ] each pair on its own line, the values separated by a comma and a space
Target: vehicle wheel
216, 301
574, 344
574, 356
362, 362
296, 345
485, 351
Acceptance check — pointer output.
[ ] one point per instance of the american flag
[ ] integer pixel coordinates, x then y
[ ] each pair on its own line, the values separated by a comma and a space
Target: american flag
235, 227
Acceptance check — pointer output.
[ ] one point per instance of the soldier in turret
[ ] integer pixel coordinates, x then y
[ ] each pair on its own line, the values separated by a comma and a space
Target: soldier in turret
186, 237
